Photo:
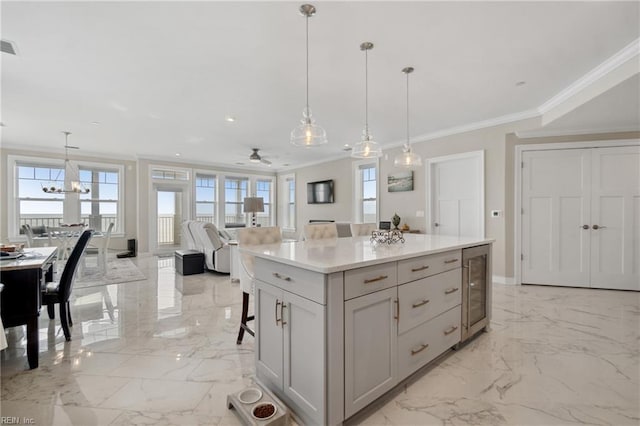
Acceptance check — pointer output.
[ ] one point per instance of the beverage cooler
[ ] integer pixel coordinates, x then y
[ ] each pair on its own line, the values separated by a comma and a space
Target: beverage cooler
476, 289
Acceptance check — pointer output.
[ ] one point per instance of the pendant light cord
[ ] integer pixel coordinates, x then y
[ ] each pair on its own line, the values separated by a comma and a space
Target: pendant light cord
408, 143
366, 92
307, 21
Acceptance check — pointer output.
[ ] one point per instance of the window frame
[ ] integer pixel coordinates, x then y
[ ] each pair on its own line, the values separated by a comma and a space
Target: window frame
358, 185
13, 208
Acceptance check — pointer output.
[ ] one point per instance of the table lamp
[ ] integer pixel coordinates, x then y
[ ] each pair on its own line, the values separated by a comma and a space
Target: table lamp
253, 205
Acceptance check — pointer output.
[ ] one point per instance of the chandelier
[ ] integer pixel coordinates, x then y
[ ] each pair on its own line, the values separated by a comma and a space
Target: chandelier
70, 175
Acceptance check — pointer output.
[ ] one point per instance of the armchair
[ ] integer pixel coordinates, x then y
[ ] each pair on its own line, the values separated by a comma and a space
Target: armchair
207, 240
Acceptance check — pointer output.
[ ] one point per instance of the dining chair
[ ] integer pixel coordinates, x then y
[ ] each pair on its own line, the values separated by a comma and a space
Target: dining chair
249, 237
320, 231
362, 229
59, 292
28, 232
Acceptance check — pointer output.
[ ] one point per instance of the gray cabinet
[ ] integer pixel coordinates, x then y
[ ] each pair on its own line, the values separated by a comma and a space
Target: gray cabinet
290, 348
370, 333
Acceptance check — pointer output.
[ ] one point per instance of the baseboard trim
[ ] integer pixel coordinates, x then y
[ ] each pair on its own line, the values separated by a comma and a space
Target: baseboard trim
504, 280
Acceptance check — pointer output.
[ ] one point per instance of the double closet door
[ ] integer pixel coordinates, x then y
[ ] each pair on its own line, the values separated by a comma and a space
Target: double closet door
581, 217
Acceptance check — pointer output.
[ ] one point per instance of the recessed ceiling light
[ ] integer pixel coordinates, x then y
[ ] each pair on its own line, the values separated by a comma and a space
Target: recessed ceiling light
229, 118
177, 154
95, 123
521, 83
346, 145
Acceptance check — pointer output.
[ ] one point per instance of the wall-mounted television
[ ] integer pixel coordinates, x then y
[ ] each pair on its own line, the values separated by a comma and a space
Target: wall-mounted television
320, 192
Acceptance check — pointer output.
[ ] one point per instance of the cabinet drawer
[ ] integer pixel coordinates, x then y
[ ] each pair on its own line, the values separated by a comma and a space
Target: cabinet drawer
425, 266
425, 342
429, 297
304, 283
358, 282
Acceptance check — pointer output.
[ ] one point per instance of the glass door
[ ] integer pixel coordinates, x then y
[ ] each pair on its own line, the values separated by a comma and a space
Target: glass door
476, 287
169, 214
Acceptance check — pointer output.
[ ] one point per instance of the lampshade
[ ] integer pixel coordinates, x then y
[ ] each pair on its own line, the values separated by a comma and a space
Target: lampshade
253, 205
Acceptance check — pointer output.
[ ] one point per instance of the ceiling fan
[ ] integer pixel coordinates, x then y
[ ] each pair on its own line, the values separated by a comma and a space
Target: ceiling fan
255, 157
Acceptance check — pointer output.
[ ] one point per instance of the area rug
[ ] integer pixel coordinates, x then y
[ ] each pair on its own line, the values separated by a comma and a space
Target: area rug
118, 271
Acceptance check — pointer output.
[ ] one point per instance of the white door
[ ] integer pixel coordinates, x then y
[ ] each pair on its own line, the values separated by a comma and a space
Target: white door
304, 355
171, 203
581, 217
556, 217
269, 333
615, 217
370, 348
456, 200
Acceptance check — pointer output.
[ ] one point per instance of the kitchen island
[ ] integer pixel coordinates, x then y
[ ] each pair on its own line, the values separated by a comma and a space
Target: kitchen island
340, 322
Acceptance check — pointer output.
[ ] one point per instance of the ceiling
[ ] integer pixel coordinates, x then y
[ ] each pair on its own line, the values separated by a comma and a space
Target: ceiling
160, 77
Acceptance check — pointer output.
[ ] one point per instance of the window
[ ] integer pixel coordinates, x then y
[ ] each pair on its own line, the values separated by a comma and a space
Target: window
287, 202
29, 175
206, 198
366, 184
99, 207
235, 191
263, 189
36, 207
169, 174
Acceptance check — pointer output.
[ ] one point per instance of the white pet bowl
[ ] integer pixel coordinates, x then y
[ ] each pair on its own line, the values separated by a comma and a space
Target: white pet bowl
249, 396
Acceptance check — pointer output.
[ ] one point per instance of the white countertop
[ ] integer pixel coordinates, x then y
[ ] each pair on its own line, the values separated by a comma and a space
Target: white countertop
340, 254
33, 258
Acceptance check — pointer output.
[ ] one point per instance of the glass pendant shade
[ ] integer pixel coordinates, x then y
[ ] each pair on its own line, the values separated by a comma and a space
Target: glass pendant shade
308, 133
367, 147
408, 159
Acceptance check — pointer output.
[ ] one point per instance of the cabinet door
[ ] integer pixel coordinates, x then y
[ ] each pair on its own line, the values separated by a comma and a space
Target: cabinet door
370, 348
269, 334
304, 355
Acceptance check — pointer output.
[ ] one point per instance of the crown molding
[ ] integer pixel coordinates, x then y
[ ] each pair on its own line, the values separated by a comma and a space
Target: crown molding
546, 133
630, 51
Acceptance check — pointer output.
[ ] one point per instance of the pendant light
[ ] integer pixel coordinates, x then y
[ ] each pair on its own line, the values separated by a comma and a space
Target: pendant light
367, 147
71, 175
408, 158
308, 133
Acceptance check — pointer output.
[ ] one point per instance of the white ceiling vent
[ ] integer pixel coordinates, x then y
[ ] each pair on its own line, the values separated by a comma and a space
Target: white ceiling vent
7, 47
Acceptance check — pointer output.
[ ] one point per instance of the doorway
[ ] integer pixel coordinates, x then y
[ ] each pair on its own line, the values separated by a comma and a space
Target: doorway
455, 202
171, 209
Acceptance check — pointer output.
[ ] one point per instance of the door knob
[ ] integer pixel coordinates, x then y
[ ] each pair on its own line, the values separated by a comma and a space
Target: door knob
436, 224
598, 227
585, 226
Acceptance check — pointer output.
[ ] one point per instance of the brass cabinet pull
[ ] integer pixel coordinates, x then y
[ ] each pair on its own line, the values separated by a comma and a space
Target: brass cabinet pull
417, 305
417, 351
282, 277
277, 319
373, 280
451, 330
450, 290
397, 315
451, 261
422, 268
282, 308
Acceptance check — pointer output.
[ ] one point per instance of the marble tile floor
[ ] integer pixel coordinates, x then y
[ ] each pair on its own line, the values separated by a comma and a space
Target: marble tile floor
162, 352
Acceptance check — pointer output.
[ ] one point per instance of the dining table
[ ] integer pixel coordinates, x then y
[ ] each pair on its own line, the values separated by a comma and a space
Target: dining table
21, 300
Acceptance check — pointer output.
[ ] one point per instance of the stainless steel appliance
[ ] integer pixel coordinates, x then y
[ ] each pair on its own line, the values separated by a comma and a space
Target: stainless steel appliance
476, 289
